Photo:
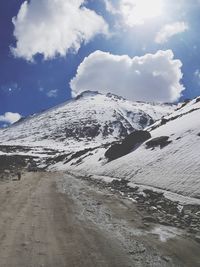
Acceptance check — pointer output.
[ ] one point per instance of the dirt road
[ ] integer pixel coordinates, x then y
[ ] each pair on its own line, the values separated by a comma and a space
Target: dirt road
57, 220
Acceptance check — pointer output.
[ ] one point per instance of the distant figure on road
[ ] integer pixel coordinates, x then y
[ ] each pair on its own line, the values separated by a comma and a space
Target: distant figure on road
19, 176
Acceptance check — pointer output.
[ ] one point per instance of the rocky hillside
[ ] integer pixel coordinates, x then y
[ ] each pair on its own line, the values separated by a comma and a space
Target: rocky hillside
168, 161
90, 120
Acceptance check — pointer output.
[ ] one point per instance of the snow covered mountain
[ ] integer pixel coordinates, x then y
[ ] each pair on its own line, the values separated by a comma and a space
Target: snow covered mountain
90, 120
76, 135
173, 167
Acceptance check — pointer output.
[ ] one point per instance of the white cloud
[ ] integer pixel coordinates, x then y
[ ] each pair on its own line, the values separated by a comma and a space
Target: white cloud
197, 76
10, 117
54, 27
197, 73
52, 93
152, 77
135, 12
110, 7
169, 31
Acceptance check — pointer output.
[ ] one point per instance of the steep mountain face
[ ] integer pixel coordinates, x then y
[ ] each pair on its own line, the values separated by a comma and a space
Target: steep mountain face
168, 161
90, 120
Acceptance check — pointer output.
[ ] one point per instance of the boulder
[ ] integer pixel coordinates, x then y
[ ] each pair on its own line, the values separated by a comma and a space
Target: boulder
153, 195
163, 121
114, 152
165, 258
161, 141
134, 138
127, 145
150, 219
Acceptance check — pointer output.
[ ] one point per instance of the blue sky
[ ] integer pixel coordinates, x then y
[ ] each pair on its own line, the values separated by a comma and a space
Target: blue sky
51, 48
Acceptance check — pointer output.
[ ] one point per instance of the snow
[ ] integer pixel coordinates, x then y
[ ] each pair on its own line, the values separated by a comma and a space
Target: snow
165, 232
174, 168
65, 127
24, 154
104, 179
183, 200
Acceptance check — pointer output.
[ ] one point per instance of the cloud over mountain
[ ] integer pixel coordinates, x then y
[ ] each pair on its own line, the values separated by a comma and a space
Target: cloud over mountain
152, 77
10, 117
54, 27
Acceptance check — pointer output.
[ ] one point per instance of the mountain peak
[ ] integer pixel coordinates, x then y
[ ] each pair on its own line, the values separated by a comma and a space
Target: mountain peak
87, 94
111, 95
93, 120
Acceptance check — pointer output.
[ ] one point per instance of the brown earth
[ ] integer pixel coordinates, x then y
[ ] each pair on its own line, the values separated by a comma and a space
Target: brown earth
57, 220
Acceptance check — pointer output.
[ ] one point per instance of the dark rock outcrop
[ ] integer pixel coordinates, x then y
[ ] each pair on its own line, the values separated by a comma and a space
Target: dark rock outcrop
135, 138
127, 145
197, 99
114, 152
160, 141
163, 121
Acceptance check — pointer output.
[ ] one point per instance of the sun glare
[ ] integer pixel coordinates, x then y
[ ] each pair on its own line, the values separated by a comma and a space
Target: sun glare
138, 11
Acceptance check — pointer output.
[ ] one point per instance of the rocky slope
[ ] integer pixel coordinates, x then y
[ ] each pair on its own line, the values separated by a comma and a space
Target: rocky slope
89, 121
171, 166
